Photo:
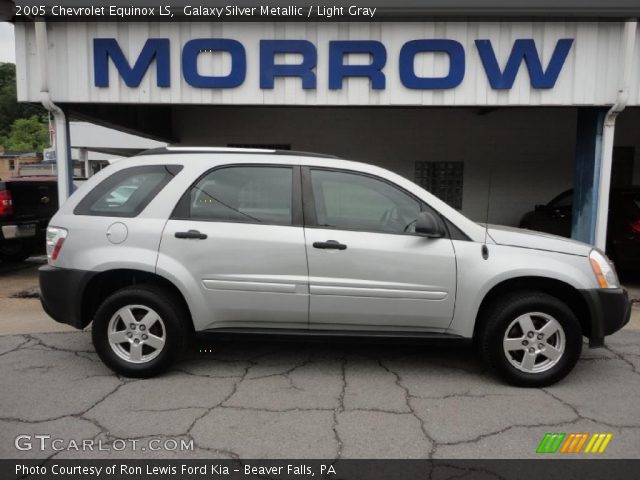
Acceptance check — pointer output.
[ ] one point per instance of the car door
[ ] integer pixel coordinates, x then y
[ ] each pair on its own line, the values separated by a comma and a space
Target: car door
368, 269
236, 236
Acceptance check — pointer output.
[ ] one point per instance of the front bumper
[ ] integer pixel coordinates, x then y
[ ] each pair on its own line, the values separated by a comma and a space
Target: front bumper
61, 292
610, 310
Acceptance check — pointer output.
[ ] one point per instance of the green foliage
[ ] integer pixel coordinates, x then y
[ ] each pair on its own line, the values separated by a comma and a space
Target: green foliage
27, 134
10, 109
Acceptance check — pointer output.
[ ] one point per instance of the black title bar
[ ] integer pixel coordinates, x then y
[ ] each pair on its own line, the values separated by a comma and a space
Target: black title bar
313, 10
301, 469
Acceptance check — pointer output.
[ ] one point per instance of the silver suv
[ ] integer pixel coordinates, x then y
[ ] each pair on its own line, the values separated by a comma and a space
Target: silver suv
183, 240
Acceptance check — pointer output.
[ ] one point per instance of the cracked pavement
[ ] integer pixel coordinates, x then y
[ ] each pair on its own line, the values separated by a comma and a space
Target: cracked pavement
311, 400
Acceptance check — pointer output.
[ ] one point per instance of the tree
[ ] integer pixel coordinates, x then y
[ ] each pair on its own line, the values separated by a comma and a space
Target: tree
27, 134
10, 109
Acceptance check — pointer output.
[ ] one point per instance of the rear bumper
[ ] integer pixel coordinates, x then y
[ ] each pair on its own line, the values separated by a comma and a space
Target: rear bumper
16, 231
610, 310
61, 292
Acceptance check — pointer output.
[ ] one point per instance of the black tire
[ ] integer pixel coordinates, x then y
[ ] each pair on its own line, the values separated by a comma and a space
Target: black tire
14, 251
173, 324
500, 316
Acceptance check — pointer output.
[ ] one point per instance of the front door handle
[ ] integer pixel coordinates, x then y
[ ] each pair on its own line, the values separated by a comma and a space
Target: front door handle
330, 245
191, 234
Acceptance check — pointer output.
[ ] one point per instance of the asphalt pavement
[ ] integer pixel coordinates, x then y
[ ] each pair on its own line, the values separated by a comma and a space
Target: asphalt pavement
260, 399
308, 400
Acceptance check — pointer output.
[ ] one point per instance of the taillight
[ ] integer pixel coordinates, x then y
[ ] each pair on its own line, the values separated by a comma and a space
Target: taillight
6, 203
55, 240
635, 226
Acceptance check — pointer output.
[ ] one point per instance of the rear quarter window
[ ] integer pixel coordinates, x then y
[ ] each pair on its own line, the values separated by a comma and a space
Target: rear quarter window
127, 192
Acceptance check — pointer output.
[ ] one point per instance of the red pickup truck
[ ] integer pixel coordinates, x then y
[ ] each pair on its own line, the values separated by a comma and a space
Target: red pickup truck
26, 206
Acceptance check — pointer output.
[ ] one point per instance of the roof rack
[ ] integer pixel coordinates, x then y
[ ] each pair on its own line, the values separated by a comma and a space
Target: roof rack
165, 150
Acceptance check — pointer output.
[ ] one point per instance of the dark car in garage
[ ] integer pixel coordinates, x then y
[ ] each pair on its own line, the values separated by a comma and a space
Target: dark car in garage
623, 234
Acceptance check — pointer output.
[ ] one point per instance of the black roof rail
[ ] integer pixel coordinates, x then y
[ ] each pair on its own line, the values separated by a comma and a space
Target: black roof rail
231, 150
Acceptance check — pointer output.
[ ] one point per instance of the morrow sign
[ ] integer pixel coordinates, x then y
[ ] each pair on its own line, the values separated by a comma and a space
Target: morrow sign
157, 50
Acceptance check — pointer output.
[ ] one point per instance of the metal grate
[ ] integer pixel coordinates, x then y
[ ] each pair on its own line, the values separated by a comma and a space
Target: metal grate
443, 179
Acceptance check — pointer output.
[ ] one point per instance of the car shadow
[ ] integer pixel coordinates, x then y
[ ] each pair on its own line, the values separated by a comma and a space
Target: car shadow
296, 351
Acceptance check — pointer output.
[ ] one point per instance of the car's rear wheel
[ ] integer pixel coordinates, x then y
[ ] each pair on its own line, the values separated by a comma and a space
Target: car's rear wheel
138, 331
531, 339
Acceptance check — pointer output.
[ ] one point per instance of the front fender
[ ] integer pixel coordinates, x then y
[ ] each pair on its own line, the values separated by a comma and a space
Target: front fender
476, 276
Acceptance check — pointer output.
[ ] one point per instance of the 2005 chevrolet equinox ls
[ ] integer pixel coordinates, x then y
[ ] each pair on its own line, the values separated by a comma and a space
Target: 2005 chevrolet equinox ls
183, 240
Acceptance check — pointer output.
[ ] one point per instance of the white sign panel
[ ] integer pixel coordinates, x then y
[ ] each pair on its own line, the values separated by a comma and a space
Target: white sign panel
456, 63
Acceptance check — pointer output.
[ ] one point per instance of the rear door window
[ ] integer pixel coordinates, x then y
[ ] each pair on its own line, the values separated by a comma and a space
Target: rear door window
248, 194
127, 192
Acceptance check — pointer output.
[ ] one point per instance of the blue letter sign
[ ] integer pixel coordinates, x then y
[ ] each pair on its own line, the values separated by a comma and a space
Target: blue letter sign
193, 48
452, 48
269, 70
338, 70
523, 49
157, 48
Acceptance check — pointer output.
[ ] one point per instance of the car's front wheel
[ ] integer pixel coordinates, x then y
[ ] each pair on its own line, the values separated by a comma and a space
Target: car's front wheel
531, 339
138, 331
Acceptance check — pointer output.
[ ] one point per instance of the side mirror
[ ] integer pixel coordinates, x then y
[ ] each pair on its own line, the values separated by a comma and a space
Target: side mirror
428, 225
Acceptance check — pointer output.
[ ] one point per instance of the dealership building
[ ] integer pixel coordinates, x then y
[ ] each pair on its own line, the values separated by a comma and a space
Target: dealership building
492, 114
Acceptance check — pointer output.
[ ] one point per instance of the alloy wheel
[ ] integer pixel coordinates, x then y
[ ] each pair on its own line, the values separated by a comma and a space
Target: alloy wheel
136, 334
534, 342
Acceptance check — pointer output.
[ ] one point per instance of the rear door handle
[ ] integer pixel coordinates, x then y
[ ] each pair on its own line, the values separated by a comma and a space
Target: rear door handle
191, 234
330, 245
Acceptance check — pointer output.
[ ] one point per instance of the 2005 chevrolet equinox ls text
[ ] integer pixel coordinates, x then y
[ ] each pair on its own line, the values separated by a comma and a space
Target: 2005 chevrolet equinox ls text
181, 240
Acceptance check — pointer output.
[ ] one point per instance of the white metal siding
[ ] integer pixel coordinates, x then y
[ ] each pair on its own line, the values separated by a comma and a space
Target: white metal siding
589, 76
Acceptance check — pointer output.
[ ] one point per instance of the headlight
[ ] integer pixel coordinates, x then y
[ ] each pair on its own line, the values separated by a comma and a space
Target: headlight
55, 239
603, 269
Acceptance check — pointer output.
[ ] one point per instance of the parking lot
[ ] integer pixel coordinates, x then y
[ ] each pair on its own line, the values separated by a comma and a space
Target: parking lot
298, 400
